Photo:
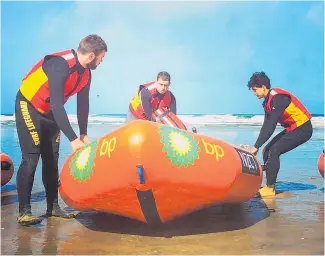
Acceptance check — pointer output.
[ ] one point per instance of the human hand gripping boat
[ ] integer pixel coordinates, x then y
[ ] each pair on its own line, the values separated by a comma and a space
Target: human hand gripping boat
153, 173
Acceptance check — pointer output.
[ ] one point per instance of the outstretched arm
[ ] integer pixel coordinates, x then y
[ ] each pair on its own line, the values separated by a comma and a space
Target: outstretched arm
83, 109
279, 103
57, 71
145, 102
173, 104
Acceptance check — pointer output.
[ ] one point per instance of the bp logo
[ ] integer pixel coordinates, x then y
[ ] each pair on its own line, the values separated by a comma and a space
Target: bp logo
83, 162
180, 146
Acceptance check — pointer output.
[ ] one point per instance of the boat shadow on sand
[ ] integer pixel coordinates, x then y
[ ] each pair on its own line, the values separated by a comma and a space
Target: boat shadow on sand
217, 218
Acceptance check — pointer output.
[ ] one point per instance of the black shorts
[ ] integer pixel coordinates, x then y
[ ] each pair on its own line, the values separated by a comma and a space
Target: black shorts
35, 131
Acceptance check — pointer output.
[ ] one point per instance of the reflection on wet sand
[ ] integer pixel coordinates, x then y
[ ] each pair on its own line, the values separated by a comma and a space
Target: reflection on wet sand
290, 223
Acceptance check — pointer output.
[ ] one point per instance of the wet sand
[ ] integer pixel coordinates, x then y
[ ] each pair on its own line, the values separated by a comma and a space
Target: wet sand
291, 223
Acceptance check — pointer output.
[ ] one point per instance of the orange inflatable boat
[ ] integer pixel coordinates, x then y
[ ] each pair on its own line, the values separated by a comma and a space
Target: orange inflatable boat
7, 169
154, 173
320, 164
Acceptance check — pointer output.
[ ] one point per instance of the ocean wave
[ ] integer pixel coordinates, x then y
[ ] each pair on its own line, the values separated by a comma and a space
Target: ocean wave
191, 120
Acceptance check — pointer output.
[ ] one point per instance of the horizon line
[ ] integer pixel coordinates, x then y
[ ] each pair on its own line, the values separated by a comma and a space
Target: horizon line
313, 114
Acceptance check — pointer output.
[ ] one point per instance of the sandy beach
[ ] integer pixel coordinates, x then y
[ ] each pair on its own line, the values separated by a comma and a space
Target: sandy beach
291, 223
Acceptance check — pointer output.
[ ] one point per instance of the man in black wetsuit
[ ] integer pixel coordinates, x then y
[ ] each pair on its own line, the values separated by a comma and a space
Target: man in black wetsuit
40, 115
150, 97
282, 107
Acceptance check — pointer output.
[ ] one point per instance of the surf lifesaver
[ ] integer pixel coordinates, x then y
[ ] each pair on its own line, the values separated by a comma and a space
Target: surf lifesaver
7, 169
321, 164
169, 118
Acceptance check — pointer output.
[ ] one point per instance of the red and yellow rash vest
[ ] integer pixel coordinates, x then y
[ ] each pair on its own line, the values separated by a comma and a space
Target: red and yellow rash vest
136, 106
35, 86
294, 115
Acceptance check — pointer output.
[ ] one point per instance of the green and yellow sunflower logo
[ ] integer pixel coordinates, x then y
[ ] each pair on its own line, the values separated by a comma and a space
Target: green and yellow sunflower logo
180, 146
83, 162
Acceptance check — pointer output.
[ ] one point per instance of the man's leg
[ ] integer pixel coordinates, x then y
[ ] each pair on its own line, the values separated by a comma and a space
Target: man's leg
269, 190
270, 144
50, 170
288, 142
28, 129
285, 143
25, 181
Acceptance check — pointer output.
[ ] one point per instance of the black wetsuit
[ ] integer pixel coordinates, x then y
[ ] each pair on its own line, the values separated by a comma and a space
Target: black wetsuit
282, 142
39, 135
147, 107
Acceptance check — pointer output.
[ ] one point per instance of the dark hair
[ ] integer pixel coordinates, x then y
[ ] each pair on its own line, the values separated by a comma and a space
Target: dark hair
165, 76
92, 43
258, 79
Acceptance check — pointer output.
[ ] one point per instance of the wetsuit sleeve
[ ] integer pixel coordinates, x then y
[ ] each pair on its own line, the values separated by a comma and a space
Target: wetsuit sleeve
57, 71
173, 104
83, 108
279, 103
145, 101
